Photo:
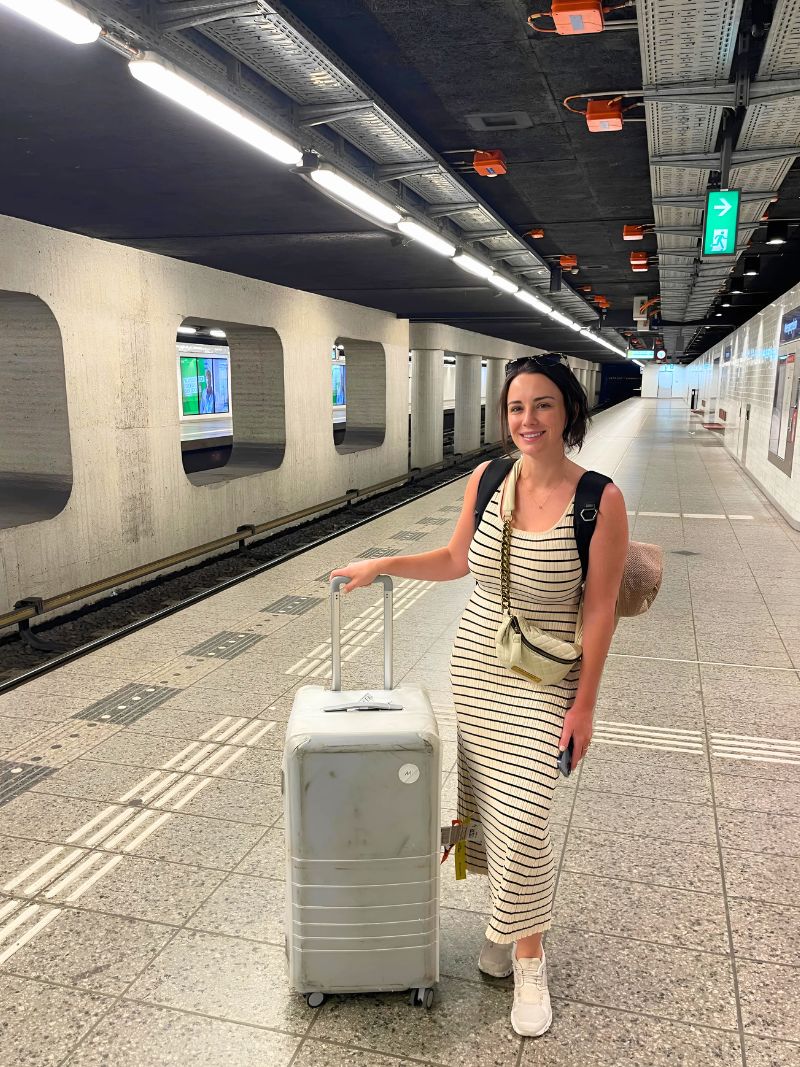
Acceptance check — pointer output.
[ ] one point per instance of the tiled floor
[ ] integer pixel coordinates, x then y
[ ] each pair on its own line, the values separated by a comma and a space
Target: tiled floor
141, 873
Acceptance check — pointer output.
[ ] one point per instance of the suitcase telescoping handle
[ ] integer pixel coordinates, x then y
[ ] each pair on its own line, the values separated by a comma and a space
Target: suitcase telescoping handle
336, 649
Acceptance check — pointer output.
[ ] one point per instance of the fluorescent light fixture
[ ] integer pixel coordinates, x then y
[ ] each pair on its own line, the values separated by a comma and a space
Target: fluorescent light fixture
777, 233
355, 196
217, 333
190, 93
473, 265
638, 364
533, 301
561, 318
187, 329
426, 237
500, 282
58, 16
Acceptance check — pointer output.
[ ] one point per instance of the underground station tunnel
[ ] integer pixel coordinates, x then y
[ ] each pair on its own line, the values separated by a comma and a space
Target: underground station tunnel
399, 533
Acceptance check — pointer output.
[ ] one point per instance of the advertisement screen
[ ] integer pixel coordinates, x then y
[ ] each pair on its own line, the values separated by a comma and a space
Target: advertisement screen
204, 381
339, 385
190, 399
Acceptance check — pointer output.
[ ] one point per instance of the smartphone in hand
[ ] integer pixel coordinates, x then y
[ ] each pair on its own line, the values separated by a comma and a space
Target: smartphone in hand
564, 761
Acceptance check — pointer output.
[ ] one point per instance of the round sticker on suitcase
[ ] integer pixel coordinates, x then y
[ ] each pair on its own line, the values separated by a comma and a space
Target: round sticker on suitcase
408, 773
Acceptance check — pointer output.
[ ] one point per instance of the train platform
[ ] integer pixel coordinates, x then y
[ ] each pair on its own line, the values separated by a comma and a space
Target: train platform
141, 846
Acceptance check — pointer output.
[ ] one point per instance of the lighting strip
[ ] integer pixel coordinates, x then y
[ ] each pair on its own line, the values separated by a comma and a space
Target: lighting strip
67, 19
151, 70
352, 195
59, 16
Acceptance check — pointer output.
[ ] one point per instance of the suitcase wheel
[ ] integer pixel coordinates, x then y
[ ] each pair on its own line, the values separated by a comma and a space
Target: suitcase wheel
315, 1000
422, 998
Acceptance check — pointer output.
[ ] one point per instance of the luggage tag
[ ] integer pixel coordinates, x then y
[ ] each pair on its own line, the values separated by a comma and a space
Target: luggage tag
456, 836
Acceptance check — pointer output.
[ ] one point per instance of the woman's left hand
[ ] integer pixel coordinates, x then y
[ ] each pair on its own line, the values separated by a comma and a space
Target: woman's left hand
578, 726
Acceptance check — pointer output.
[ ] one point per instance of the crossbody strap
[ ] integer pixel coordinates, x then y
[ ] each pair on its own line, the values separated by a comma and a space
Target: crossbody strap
586, 509
490, 480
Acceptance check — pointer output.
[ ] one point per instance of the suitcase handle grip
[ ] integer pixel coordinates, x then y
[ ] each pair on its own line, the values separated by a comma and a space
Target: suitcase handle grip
388, 618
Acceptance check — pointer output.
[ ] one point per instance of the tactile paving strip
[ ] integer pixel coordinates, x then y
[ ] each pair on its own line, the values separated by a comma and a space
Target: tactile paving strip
16, 778
295, 605
376, 553
432, 521
408, 535
226, 645
61, 743
450, 507
128, 704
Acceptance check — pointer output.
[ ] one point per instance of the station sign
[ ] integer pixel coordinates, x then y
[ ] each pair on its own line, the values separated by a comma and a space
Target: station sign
721, 222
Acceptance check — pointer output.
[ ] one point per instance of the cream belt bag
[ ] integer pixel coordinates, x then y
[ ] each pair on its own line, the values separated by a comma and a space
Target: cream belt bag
522, 647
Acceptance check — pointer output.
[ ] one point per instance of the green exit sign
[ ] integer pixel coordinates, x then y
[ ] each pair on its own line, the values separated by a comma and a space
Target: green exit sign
721, 221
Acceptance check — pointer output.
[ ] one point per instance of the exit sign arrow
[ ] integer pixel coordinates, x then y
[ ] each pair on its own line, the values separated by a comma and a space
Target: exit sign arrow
723, 207
721, 222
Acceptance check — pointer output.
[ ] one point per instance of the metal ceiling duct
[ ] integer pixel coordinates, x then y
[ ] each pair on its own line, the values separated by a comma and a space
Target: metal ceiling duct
684, 45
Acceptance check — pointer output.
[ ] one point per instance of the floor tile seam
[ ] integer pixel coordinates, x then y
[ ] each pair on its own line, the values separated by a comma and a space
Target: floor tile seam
669, 945
149, 963
14, 894
702, 804
175, 925
145, 807
171, 811
700, 662
164, 1006
766, 605
117, 998
190, 773
617, 1008
567, 828
721, 861
616, 879
152, 859
319, 1013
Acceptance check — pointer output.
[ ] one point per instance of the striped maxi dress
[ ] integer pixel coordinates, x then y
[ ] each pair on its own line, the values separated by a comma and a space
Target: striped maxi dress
509, 729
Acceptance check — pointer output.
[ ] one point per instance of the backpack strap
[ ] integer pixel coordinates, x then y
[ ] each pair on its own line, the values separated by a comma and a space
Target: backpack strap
491, 479
587, 506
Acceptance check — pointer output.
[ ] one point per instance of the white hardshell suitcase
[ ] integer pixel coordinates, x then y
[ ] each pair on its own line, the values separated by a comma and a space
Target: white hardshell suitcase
362, 784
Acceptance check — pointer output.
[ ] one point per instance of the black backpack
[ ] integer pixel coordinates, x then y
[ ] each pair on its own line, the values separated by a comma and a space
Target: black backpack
587, 502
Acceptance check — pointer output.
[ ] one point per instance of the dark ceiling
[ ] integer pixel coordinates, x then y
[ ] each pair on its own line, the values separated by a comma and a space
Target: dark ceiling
87, 148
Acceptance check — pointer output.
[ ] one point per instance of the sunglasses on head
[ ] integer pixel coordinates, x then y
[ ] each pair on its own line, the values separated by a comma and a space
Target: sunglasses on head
547, 359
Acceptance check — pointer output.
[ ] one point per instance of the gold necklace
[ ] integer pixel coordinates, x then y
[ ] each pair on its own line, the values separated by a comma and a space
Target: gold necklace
543, 504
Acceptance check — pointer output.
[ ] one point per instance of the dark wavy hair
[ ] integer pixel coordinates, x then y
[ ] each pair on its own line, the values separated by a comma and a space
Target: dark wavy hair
554, 367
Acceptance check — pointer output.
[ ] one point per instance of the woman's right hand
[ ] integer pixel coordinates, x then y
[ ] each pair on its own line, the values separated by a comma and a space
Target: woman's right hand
361, 573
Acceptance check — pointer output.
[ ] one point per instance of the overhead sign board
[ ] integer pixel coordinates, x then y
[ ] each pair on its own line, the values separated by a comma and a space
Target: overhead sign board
790, 327
721, 222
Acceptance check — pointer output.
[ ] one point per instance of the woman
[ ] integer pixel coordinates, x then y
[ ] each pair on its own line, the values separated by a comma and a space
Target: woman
510, 732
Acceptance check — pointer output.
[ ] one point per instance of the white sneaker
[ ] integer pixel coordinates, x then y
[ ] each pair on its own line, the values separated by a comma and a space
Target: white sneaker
495, 959
531, 1014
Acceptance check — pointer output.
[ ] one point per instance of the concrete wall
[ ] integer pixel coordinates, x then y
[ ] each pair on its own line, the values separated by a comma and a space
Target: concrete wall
747, 377
34, 428
118, 310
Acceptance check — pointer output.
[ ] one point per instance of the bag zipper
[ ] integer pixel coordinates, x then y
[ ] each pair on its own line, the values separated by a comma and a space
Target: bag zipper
540, 651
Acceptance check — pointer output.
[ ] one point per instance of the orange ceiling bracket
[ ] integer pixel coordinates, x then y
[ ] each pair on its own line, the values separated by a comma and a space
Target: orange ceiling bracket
638, 261
604, 116
490, 164
577, 16
568, 262
632, 233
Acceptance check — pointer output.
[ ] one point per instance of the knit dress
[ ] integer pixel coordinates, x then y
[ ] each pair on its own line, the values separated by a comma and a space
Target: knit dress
508, 728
